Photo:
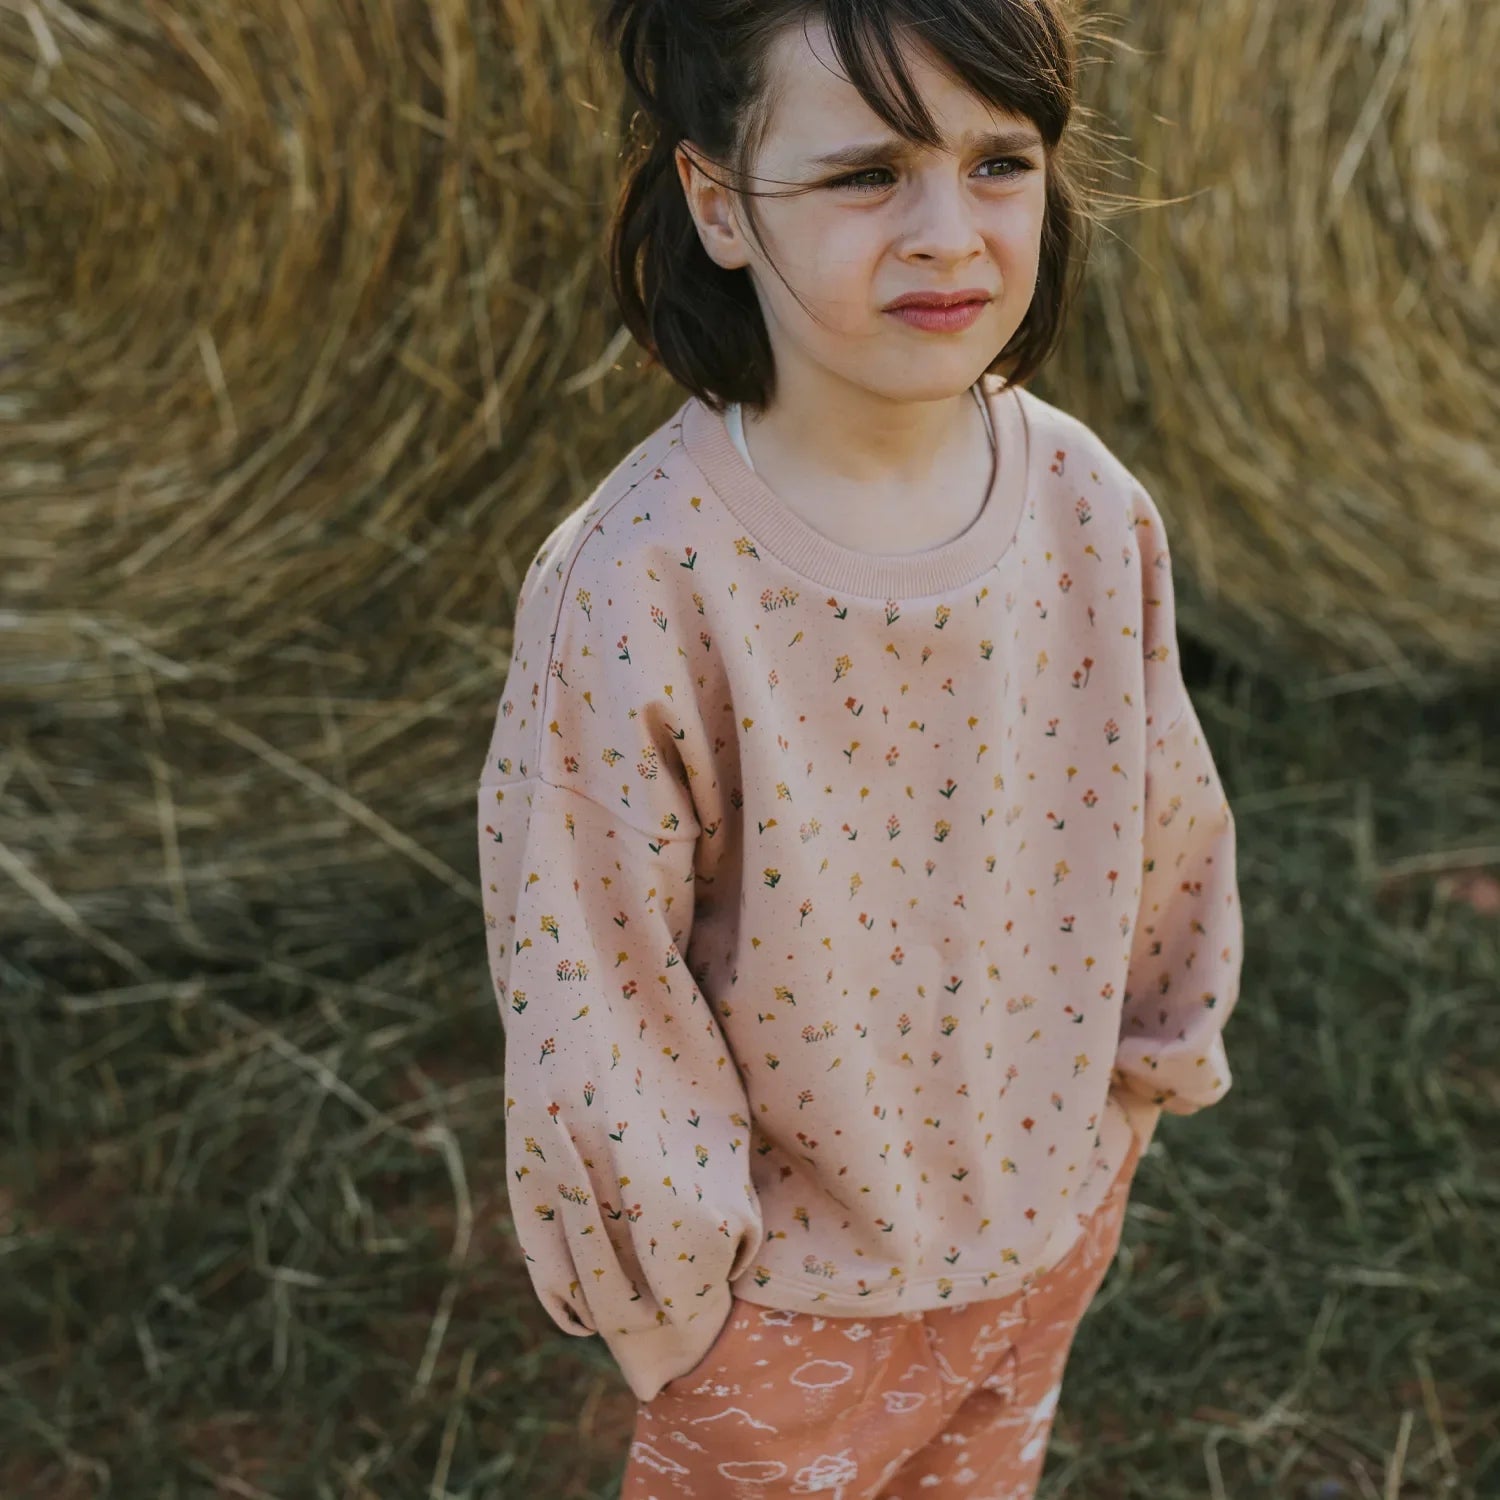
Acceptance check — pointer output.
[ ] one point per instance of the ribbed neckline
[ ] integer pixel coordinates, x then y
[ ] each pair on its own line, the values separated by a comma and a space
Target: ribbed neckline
989, 539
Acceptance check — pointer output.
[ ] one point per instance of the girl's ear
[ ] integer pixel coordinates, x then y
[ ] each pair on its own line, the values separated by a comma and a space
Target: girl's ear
709, 205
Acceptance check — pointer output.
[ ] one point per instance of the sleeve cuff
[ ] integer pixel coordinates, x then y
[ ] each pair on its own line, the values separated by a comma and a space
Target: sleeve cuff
652, 1357
1143, 1117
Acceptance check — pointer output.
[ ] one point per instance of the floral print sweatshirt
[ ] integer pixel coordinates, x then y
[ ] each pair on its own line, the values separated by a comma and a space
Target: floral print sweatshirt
846, 912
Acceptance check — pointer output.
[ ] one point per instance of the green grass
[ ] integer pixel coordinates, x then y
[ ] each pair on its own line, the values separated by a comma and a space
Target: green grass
255, 1236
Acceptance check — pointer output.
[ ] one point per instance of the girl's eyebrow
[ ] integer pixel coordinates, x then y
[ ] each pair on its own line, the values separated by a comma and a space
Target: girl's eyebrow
868, 153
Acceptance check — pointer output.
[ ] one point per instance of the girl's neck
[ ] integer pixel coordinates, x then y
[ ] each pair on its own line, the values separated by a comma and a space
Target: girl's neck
872, 447
862, 507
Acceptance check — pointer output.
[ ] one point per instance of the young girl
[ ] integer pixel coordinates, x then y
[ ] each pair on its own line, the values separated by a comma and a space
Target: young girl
858, 884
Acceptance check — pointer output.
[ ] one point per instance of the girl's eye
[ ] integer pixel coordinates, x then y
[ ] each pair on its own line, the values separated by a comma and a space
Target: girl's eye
1019, 165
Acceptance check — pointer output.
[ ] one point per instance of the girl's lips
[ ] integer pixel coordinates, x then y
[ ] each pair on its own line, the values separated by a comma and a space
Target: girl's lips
940, 319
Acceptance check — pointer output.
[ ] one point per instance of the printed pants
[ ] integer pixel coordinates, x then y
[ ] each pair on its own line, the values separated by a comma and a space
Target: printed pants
956, 1402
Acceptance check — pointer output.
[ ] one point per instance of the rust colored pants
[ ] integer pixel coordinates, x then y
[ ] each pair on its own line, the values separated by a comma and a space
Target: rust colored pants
957, 1402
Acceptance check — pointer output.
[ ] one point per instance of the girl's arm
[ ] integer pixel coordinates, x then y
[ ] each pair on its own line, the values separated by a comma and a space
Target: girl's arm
1186, 950
627, 1136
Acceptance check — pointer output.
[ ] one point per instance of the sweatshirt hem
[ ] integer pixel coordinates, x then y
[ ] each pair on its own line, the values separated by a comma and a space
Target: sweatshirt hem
1118, 1128
910, 1299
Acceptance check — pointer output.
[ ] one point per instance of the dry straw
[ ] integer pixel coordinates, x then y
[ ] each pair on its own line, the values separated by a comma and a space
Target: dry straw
305, 340
1302, 358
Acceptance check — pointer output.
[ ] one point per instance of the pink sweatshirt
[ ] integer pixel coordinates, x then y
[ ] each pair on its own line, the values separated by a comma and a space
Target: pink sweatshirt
846, 912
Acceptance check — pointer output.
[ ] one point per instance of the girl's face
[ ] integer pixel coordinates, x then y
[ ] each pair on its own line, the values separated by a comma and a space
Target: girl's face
886, 219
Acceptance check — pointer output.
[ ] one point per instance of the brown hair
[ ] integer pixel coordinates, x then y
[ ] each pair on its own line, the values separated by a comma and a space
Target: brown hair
697, 72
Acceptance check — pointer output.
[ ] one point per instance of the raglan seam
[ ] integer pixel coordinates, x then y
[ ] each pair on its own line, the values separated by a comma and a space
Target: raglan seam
591, 530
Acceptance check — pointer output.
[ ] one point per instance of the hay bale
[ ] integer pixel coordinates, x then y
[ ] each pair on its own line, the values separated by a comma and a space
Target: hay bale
307, 341
1300, 358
